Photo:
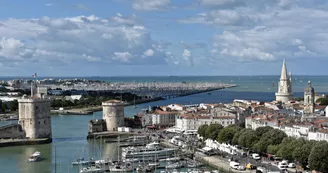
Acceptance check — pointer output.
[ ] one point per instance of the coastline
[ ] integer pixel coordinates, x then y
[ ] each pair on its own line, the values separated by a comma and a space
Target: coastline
91, 110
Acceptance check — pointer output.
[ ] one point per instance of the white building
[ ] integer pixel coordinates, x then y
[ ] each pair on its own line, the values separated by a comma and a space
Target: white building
73, 97
284, 93
318, 136
159, 118
189, 122
297, 131
175, 107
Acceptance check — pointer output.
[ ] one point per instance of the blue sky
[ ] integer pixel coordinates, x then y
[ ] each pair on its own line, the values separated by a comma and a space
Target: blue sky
162, 37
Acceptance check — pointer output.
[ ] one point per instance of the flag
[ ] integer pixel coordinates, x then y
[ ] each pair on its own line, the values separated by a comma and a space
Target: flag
34, 75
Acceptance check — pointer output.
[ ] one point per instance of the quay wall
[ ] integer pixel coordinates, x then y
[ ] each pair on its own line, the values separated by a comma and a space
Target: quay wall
12, 131
17, 142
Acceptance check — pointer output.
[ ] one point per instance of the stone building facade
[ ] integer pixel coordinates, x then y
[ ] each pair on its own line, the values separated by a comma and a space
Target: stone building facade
113, 114
309, 101
35, 117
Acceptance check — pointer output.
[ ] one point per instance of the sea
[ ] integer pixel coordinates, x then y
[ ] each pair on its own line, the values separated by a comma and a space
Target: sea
70, 131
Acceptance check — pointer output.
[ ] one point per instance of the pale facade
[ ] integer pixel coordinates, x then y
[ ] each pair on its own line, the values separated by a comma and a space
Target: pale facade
284, 93
309, 101
318, 136
35, 117
159, 119
113, 114
186, 124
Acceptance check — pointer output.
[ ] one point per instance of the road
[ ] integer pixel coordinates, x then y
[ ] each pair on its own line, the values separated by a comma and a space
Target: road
245, 160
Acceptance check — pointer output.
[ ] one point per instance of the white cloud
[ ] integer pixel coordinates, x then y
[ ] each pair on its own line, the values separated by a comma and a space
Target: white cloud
122, 56
150, 5
83, 38
265, 30
91, 58
188, 57
186, 53
149, 52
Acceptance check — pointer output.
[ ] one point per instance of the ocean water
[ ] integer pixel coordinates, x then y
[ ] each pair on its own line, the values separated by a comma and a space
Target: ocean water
246, 83
69, 132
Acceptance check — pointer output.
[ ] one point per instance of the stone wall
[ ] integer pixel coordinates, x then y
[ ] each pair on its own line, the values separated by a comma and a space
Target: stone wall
12, 131
35, 118
96, 126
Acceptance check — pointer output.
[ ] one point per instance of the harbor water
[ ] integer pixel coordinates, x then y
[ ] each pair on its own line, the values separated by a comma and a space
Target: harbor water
69, 132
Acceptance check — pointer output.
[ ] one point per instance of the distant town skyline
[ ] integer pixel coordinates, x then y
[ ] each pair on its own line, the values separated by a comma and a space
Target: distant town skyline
162, 37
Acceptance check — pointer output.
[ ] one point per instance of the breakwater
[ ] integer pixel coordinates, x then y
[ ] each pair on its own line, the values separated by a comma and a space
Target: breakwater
90, 110
17, 142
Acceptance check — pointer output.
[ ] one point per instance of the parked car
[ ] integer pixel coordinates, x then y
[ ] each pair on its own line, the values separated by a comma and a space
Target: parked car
250, 166
291, 165
256, 156
234, 165
261, 170
241, 168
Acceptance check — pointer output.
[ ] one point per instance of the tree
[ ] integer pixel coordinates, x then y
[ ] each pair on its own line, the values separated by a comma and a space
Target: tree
212, 131
226, 134
272, 137
202, 129
273, 149
287, 147
236, 137
261, 130
318, 159
248, 138
301, 154
323, 101
14, 105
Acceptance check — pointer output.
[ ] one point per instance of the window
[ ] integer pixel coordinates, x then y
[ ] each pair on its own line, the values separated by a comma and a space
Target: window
44, 121
36, 107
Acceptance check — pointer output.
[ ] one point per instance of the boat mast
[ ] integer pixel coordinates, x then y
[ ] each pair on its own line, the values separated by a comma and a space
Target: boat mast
55, 160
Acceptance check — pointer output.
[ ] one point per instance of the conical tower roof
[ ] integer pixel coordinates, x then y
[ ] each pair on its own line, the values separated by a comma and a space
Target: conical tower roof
284, 71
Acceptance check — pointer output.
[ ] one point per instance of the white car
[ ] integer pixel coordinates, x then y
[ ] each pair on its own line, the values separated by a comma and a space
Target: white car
256, 156
291, 165
241, 168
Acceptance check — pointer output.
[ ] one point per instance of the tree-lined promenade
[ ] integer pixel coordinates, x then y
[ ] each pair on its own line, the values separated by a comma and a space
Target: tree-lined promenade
266, 140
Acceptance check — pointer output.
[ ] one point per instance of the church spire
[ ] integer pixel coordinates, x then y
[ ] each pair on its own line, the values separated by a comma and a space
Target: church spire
284, 71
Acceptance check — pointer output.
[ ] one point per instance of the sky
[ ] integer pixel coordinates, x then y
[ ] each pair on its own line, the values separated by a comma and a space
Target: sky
162, 37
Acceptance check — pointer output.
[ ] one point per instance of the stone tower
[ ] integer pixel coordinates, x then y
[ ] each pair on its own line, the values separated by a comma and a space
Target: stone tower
113, 114
284, 93
309, 99
34, 116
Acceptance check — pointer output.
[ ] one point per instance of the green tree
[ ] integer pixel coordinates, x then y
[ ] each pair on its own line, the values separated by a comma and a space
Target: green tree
272, 137
226, 134
248, 138
273, 149
301, 154
13, 105
261, 130
287, 147
202, 129
318, 159
323, 101
236, 137
212, 131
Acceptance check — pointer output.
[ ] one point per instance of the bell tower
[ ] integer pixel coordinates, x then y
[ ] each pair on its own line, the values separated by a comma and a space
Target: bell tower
309, 99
